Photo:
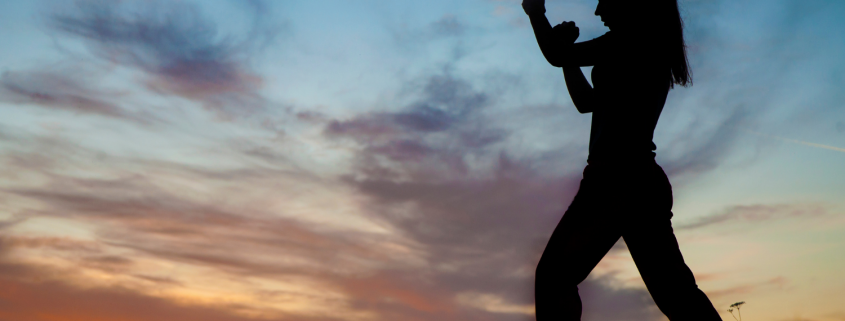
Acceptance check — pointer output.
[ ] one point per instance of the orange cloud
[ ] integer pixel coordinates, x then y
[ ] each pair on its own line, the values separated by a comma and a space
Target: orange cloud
55, 301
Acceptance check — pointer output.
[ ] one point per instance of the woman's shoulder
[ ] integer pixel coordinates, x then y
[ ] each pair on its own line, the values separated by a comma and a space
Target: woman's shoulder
605, 39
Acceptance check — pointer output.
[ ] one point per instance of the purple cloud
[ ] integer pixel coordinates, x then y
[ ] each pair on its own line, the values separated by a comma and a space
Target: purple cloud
178, 49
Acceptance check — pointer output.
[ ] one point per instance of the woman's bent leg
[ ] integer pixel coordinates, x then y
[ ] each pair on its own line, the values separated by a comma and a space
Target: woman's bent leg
671, 283
583, 236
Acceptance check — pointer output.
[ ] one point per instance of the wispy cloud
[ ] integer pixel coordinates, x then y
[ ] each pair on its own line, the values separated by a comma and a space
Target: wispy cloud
448, 227
45, 300
178, 49
436, 131
61, 90
755, 214
480, 221
745, 289
805, 143
446, 195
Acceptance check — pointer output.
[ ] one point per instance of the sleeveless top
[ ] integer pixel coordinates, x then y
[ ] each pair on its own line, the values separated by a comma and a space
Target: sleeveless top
630, 85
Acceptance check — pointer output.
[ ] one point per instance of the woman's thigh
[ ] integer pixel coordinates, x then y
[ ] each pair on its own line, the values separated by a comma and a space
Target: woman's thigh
585, 233
651, 240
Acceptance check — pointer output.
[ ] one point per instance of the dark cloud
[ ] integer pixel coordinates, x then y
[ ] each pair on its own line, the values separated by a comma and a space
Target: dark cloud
107, 263
446, 103
448, 25
312, 116
438, 130
178, 49
64, 91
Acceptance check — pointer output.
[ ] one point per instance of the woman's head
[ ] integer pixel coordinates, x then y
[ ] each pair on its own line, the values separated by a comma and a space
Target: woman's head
657, 20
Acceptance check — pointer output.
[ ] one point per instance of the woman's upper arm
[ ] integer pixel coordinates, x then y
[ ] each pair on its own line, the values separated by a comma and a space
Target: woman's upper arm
586, 53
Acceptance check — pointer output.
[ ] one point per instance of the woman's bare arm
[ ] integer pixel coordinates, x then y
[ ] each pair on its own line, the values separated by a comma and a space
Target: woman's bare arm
579, 89
559, 47
557, 44
543, 33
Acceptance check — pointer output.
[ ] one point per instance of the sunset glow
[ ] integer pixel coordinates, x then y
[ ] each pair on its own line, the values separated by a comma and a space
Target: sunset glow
374, 160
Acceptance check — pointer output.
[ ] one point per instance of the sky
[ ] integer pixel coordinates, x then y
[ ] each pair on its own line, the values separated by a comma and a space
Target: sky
374, 160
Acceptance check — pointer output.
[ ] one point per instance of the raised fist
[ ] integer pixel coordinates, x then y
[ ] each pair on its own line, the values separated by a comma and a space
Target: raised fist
534, 6
566, 32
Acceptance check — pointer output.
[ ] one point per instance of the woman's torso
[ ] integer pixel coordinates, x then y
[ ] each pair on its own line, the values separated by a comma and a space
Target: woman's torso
630, 88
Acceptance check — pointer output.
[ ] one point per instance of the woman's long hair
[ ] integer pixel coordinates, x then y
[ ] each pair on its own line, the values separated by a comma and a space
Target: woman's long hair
681, 71
664, 19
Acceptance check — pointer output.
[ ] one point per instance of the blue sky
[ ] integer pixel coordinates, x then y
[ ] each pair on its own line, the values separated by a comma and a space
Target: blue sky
374, 160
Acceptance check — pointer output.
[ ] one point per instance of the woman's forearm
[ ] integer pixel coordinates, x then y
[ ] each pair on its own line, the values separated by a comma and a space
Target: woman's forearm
579, 88
543, 32
555, 51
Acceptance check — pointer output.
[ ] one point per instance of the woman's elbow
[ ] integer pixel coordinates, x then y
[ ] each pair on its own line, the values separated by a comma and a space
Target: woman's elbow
554, 62
583, 107
558, 58
554, 58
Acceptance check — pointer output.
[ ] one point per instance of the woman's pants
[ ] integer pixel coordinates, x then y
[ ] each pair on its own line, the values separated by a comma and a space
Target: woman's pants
633, 202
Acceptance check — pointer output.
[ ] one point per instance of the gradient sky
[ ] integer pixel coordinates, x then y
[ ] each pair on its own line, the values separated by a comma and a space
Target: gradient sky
375, 160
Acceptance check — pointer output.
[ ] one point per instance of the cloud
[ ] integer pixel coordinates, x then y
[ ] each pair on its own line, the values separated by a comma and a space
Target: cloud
443, 213
252, 257
805, 143
436, 131
485, 236
754, 214
422, 41
136, 214
448, 25
605, 300
8, 223
483, 223
59, 89
775, 283
177, 48
693, 153
49, 300
446, 102
446, 225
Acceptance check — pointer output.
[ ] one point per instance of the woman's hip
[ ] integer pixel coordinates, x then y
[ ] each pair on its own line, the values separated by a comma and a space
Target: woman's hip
625, 188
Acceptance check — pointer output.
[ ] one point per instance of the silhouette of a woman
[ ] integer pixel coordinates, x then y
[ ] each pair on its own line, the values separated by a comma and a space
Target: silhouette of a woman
624, 193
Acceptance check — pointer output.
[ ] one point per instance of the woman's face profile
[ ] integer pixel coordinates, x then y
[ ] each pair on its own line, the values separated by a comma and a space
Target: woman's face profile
611, 12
